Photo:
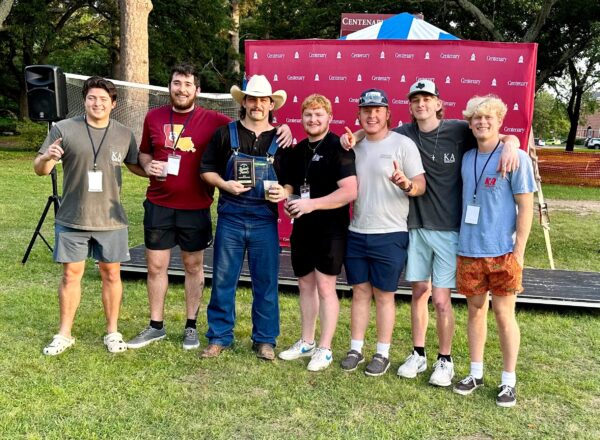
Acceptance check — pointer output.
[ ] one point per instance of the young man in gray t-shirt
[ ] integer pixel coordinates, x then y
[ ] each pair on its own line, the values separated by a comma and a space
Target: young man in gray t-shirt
91, 220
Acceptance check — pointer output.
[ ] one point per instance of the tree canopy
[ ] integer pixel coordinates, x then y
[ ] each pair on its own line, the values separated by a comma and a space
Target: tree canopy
82, 36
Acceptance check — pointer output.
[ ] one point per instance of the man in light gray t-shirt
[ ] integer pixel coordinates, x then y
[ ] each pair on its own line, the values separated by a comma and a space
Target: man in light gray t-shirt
389, 171
91, 220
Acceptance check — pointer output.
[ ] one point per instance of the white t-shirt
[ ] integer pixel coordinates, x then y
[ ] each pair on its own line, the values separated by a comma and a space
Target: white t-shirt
381, 206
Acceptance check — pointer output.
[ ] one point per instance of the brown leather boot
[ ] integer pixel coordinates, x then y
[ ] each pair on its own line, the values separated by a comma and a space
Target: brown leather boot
213, 350
264, 351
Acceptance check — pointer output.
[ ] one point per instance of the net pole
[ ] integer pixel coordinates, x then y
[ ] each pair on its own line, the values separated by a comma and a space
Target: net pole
542, 205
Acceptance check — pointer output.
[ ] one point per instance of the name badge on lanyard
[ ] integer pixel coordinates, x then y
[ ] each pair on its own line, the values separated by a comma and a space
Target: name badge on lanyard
305, 191
472, 214
95, 181
173, 164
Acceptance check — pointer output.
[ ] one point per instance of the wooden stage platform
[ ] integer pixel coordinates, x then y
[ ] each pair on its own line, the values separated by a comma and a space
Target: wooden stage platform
547, 287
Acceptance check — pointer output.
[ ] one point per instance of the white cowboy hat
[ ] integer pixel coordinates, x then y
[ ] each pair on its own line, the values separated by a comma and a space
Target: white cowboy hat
259, 86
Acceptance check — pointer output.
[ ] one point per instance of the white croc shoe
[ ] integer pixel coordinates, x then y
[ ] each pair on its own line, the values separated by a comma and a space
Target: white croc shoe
114, 342
58, 344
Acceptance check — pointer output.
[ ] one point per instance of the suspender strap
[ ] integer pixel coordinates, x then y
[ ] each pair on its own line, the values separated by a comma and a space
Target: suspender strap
273, 147
235, 140
233, 135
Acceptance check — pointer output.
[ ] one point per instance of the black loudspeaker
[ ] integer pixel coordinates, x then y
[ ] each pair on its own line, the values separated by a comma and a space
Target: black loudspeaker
46, 93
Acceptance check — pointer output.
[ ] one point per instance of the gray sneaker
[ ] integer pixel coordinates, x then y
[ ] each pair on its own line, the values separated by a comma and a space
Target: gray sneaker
378, 366
353, 358
147, 336
190, 338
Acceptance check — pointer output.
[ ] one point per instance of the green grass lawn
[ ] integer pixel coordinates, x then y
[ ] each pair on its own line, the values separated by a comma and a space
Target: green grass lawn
162, 392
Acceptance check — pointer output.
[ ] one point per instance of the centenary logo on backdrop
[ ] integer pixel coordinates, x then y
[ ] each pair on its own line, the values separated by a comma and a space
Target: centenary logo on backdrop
393, 68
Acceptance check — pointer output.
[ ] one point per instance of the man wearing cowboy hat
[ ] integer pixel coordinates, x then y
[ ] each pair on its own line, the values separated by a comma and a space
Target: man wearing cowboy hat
177, 205
239, 160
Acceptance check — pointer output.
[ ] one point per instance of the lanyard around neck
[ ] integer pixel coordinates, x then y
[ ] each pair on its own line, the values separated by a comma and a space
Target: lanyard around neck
94, 150
314, 151
182, 128
477, 180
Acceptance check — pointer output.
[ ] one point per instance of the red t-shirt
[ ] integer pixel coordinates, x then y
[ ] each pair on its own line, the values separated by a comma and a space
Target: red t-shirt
186, 190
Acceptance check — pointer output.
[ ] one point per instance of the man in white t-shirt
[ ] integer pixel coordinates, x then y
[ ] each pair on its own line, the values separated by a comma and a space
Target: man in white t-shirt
389, 171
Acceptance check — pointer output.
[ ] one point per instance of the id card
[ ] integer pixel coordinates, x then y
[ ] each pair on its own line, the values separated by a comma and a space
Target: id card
472, 214
305, 191
173, 164
95, 181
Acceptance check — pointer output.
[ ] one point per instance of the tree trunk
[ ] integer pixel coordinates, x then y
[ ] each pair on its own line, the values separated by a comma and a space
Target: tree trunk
134, 40
5, 7
233, 64
574, 110
134, 62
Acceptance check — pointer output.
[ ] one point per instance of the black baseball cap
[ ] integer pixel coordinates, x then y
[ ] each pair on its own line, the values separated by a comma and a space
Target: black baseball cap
373, 98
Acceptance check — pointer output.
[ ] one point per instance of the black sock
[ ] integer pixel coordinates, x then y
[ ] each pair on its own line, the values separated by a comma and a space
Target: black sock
420, 350
190, 323
158, 325
445, 356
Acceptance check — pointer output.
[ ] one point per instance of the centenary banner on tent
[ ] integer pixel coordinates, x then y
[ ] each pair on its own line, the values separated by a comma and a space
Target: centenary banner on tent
341, 70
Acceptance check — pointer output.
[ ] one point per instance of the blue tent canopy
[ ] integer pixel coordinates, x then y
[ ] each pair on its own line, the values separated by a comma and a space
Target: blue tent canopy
403, 26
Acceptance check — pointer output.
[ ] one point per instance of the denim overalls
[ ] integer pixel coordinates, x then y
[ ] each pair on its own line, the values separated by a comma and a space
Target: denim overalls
245, 223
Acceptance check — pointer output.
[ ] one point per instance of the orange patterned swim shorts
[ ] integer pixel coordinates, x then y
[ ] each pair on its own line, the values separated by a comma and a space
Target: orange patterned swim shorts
501, 275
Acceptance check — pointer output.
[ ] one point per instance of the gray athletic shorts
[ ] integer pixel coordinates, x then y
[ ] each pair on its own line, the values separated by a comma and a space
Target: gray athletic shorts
74, 245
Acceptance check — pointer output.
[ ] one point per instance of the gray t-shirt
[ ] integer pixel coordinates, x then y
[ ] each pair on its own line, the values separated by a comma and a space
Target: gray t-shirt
80, 208
442, 149
381, 207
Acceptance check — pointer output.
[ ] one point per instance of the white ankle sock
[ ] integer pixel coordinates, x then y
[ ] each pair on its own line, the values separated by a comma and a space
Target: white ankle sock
477, 370
383, 349
356, 345
509, 379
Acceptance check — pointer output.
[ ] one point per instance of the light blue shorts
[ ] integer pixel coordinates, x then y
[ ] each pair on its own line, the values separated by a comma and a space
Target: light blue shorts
432, 255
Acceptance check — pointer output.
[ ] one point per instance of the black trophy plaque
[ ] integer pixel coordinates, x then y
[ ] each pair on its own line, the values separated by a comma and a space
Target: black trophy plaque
244, 172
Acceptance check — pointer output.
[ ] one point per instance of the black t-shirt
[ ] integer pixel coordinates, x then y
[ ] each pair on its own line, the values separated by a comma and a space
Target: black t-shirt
219, 150
322, 164
442, 149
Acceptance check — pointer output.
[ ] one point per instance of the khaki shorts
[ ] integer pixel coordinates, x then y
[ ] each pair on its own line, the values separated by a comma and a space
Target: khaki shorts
502, 276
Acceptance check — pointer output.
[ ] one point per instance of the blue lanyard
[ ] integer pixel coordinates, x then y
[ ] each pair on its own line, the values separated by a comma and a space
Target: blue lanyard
483, 169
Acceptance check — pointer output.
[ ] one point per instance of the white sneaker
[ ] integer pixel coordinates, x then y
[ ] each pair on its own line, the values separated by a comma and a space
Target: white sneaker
443, 372
413, 365
298, 350
320, 360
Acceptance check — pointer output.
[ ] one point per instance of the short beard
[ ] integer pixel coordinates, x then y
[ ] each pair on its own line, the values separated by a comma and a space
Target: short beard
182, 107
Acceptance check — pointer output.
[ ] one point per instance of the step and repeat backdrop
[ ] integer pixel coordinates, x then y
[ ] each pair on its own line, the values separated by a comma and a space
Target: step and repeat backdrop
341, 70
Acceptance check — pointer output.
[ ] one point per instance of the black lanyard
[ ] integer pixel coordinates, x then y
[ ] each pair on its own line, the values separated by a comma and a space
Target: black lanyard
96, 152
182, 128
314, 151
483, 169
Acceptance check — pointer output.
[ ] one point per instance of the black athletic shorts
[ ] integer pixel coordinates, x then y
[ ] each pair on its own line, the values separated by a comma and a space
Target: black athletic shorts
313, 249
164, 228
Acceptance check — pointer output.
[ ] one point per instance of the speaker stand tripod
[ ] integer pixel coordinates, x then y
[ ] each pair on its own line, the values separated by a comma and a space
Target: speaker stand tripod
53, 200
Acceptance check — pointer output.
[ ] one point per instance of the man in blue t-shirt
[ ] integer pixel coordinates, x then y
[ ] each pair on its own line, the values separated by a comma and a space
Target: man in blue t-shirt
496, 220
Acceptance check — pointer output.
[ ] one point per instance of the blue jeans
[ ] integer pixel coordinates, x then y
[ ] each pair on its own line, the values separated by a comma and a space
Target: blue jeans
243, 228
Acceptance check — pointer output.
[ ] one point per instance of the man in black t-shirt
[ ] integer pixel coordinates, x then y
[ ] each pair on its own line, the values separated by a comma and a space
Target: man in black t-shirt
322, 176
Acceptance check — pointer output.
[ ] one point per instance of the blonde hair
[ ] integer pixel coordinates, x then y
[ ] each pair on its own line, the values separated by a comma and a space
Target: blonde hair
315, 101
484, 105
